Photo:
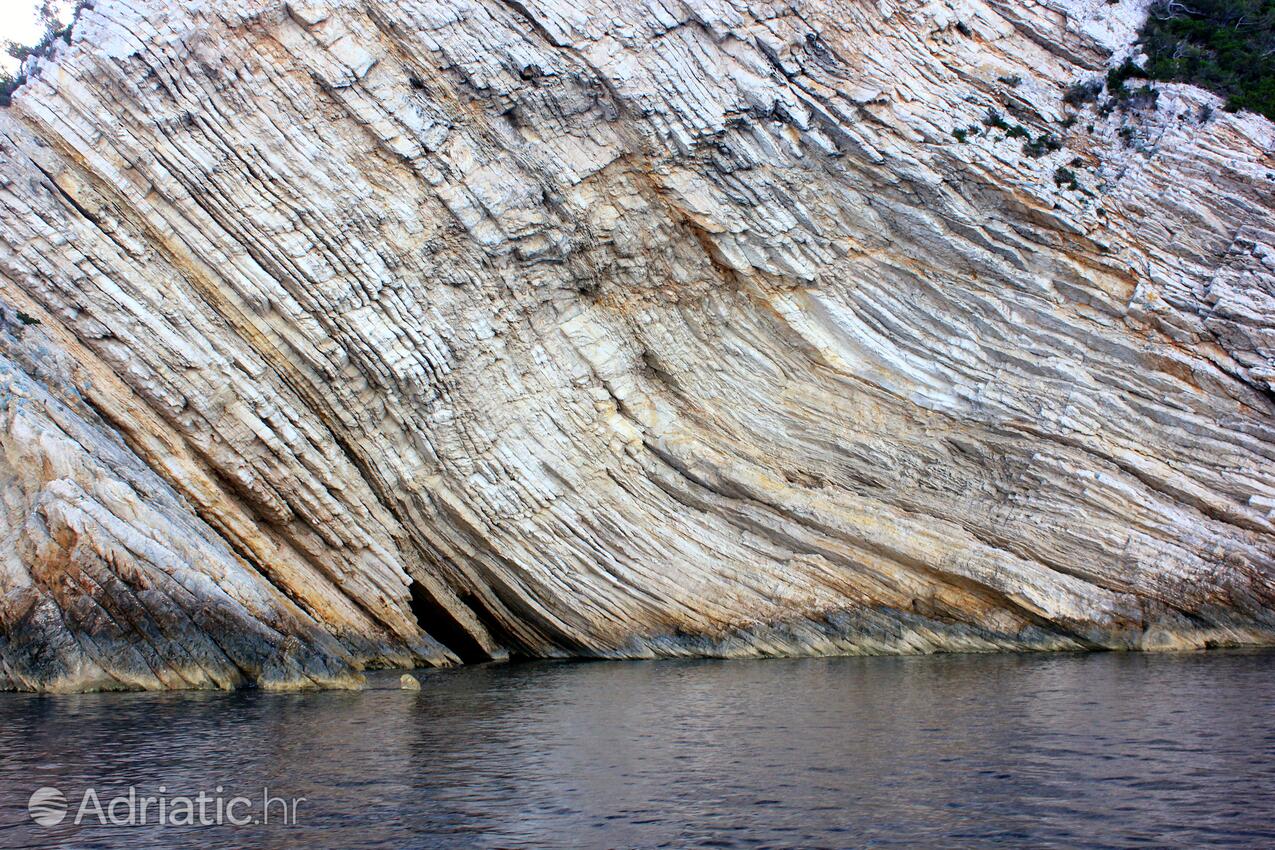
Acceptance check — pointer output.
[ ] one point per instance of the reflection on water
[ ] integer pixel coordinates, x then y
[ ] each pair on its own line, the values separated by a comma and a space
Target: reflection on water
1104, 750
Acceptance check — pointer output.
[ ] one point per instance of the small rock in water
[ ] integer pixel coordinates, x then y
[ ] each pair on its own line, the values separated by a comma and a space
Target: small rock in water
408, 682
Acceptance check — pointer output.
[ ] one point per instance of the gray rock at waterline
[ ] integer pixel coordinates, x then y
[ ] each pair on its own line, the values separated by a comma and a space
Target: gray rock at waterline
408, 682
698, 340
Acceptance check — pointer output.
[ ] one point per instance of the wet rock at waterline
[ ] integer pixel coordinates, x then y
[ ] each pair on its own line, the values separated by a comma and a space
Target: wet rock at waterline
351, 334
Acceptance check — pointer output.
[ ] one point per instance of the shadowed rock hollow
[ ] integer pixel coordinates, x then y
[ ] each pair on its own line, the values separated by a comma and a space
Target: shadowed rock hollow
393, 332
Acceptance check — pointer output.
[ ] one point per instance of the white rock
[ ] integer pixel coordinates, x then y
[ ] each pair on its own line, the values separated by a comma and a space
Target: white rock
614, 333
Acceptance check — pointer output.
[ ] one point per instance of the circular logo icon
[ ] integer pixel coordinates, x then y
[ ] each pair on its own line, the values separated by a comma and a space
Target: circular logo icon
47, 806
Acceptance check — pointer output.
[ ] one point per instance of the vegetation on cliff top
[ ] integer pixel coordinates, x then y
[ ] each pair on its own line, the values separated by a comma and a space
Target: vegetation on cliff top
1225, 46
49, 14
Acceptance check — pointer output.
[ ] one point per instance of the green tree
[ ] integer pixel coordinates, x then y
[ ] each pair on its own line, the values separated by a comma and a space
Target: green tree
50, 15
1225, 46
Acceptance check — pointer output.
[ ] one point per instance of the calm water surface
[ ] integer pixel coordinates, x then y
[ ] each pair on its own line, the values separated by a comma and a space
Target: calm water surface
1106, 750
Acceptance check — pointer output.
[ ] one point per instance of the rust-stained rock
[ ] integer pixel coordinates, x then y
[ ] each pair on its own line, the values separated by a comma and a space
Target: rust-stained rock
400, 333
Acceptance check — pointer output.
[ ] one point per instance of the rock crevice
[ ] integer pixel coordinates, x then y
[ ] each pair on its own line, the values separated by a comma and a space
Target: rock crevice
367, 333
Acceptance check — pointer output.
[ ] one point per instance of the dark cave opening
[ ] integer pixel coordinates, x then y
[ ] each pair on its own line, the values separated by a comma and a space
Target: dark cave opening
440, 624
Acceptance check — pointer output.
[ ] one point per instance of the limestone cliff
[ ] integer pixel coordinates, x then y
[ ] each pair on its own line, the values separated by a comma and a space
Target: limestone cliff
391, 332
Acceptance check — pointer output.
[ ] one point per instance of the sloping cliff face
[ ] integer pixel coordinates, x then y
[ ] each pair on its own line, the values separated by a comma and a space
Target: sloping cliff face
398, 332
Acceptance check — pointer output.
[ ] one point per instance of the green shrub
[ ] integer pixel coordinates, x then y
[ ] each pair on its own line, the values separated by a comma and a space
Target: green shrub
1085, 91
1145, 96
54, 29
1123, 72
1225, 46
996, 120
8, 84
1043, 144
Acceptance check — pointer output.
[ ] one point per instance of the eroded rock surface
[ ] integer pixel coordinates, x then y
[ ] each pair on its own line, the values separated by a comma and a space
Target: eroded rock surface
398, 332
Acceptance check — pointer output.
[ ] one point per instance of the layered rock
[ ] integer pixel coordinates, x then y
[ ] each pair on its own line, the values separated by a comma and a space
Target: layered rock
391, 333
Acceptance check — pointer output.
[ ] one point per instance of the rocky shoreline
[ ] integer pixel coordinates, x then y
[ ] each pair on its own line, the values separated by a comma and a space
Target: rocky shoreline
347, 335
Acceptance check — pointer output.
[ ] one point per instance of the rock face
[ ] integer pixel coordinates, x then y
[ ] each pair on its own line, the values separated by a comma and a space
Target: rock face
394, 332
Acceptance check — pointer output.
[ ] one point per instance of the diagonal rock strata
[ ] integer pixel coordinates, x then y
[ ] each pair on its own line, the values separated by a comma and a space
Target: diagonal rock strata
380, 333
